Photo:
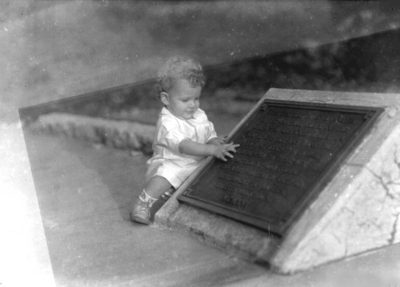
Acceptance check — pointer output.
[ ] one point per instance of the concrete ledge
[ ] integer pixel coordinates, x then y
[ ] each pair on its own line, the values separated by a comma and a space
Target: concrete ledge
116, 134
219, 232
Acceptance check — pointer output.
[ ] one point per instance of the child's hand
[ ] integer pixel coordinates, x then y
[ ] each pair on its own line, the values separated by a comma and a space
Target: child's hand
218, 140
224, 150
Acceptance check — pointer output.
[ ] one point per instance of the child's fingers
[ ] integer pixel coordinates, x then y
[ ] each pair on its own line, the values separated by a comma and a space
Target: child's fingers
222, 157
219, 141
225, 154
232, 147
229, 154
227, 150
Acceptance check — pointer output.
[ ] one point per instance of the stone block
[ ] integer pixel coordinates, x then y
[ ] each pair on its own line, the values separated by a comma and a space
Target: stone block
356, 211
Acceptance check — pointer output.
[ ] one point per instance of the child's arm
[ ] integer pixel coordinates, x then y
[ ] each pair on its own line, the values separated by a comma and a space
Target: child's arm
219, 151
218, 140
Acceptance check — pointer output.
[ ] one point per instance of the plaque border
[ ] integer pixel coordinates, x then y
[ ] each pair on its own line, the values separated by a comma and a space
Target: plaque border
372, 114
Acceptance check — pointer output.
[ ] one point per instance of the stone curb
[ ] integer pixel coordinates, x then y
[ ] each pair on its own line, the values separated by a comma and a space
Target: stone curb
112, 133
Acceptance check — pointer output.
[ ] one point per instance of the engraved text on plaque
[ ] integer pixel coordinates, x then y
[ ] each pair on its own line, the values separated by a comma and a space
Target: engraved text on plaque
288, 152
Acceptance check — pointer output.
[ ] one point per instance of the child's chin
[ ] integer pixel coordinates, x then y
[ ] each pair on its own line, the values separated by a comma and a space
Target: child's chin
188, 116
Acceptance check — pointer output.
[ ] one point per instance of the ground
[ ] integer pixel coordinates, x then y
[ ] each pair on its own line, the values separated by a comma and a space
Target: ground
85, 195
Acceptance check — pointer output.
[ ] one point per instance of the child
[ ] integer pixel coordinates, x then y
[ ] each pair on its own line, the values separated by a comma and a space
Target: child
184, 137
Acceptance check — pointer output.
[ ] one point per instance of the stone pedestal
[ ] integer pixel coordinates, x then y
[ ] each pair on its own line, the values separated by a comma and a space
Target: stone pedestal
355, 212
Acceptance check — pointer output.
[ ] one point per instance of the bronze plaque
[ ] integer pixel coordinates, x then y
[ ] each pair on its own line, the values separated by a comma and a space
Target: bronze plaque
288, 152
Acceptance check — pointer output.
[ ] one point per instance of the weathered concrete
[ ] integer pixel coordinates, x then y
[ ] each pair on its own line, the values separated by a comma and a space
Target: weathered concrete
85, 196
117, 134
230, 236
357, 211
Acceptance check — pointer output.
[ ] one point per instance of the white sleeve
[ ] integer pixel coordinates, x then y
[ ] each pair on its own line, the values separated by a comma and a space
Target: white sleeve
211, 133
171, 138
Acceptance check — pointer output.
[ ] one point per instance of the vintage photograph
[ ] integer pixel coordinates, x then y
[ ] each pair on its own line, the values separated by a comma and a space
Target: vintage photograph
200, 143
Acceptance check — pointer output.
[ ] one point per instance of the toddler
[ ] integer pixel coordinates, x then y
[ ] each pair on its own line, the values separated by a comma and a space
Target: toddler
184, 137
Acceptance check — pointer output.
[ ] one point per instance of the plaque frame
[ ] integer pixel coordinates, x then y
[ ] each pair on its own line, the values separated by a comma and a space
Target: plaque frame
371, 114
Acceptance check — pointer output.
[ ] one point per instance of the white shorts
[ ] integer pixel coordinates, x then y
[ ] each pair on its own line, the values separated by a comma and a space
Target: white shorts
175, 173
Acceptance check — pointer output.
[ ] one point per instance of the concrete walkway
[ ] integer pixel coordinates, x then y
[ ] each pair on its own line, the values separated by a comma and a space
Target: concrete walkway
85, 195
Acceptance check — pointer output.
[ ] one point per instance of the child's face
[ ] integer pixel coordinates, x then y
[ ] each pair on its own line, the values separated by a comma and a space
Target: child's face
182, 100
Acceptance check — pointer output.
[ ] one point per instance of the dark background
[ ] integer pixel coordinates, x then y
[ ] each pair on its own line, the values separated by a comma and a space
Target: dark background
112, 49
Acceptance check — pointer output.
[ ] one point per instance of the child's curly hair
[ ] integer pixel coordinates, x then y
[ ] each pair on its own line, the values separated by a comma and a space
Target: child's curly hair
179, 67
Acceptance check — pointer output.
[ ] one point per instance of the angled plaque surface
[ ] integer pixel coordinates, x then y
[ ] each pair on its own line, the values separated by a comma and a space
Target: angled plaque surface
288, 152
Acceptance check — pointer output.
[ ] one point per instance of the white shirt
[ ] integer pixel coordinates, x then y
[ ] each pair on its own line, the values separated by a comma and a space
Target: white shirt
167, 161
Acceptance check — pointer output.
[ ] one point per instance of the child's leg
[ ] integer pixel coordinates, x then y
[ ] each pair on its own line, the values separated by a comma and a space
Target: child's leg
168, 193
156, 186
154, 189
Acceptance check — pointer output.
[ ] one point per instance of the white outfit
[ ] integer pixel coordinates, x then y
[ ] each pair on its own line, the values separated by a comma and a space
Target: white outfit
167, 161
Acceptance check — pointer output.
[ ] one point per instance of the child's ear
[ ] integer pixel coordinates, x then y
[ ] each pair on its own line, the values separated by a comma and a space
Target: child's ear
164, 98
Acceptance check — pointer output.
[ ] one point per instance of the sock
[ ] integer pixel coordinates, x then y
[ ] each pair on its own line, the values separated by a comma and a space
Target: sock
147, 198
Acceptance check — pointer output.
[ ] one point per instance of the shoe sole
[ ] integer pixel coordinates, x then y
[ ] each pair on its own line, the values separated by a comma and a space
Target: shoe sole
139, 219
